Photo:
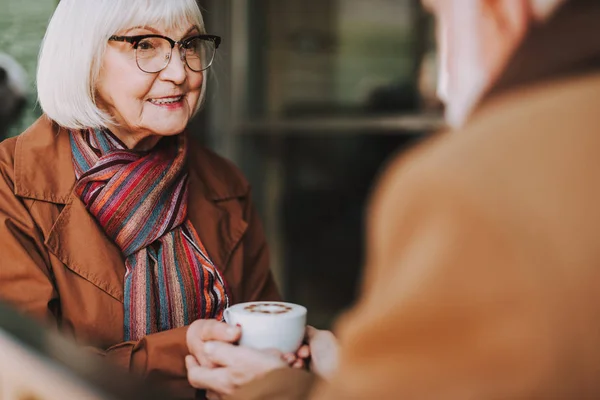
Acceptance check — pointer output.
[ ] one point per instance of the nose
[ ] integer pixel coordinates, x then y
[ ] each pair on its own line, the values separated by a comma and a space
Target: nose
175, 71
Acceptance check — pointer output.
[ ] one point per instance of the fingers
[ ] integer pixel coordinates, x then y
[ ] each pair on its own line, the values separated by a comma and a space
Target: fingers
208, 330
303, 352
311, 331
191, 362
289, 358
213, 379
210, 395
298, 364
225, 354
273, 353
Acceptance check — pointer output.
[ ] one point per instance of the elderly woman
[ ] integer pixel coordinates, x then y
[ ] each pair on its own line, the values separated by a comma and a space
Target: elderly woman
115, 226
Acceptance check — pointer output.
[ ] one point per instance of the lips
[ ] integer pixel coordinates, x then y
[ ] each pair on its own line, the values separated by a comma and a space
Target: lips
166, 100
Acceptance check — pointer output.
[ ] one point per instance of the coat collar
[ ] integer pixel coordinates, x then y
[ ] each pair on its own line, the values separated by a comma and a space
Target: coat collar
44, 168
565, 45
44, 172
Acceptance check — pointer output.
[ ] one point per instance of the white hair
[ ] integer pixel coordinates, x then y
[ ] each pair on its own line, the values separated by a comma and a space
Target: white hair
73, 47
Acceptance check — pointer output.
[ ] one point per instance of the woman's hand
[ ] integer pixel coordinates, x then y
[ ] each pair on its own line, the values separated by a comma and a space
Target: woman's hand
208, 330
229, 367
322, 349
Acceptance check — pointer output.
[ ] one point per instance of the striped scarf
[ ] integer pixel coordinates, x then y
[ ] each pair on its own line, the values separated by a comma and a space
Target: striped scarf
140, 200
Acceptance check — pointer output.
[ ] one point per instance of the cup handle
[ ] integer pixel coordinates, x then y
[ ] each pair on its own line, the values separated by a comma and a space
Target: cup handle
226, 316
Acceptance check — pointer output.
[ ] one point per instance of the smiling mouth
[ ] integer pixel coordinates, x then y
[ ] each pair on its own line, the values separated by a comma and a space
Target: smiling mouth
166, 100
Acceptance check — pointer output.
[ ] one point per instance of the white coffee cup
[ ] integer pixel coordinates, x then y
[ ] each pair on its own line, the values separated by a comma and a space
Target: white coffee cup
269, 324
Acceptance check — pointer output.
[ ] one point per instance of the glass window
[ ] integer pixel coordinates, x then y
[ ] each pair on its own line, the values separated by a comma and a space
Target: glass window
335, 57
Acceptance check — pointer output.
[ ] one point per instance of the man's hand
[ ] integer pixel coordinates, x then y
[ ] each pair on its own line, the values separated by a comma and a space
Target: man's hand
227, 367
322, 349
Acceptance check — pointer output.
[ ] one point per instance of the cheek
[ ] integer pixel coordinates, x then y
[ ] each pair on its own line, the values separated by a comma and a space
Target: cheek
134, 89
196, 81
124, 90
195, 87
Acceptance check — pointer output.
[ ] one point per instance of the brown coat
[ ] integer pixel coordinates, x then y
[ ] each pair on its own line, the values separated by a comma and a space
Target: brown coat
57, 264
483, 266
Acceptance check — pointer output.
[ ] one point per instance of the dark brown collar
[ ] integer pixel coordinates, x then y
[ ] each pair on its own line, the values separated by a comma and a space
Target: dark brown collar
44, 167
565, 45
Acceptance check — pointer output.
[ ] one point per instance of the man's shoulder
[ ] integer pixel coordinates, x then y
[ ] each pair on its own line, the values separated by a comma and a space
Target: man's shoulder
533, 123
522, 145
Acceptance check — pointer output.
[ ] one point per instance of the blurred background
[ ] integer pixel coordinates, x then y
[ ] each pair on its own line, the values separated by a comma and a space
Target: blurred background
309, 98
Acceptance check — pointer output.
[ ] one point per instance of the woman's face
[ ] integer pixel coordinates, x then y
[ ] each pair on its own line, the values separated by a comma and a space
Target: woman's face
147, 106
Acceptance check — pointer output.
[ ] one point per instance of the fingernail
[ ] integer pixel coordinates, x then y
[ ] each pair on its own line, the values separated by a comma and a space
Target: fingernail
209, 347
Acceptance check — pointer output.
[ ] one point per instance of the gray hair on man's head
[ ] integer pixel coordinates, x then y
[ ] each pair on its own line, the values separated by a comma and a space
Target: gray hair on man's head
73, 47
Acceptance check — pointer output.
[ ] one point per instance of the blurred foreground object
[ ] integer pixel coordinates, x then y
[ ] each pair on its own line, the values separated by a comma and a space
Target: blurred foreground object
38, 364
13, 92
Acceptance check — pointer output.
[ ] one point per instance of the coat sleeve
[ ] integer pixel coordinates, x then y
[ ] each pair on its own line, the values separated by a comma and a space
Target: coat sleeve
26, 283
159, 357
25, 278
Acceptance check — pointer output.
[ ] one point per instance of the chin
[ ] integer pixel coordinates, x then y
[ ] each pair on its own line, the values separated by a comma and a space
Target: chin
168, 129
168, 132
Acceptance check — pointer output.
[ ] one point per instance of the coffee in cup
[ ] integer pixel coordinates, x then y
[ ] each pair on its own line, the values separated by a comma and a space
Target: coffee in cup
269, 324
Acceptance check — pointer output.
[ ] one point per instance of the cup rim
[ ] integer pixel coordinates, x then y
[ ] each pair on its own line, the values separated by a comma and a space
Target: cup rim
286, 315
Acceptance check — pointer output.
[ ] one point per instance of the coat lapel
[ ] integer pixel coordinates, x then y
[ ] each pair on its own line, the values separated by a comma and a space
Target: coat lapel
44, 172
79, 242
218, 219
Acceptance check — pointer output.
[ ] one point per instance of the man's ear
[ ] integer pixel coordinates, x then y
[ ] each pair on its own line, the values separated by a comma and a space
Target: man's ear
504, 25
510, 17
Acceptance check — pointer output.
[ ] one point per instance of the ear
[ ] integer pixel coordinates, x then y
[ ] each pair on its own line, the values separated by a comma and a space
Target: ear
510, 17
504, 25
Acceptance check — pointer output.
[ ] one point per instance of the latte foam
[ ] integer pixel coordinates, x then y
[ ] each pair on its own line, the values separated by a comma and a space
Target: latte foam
268, 308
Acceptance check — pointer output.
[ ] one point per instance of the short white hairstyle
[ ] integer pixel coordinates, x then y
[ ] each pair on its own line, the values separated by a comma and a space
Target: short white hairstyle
74, 45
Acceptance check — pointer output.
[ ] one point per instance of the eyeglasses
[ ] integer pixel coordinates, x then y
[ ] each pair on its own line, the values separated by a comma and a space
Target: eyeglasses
153, 52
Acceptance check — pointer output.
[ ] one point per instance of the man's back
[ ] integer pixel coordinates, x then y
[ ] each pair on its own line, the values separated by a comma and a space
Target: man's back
483, 270
483, 264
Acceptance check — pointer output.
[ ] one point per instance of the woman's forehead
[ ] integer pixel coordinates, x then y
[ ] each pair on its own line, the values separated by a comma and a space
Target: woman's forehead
163, 17
162, 29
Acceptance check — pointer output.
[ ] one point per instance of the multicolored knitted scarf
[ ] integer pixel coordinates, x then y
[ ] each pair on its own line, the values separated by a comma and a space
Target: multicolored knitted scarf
140, 200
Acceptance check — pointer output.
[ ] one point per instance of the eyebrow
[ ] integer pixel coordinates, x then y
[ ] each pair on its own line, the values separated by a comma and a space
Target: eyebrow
151, 29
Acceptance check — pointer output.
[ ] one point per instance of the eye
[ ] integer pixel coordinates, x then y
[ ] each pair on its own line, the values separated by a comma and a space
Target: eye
193, 45
145, 45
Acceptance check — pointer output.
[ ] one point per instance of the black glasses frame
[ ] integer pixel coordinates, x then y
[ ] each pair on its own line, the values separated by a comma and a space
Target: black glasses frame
183, 43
